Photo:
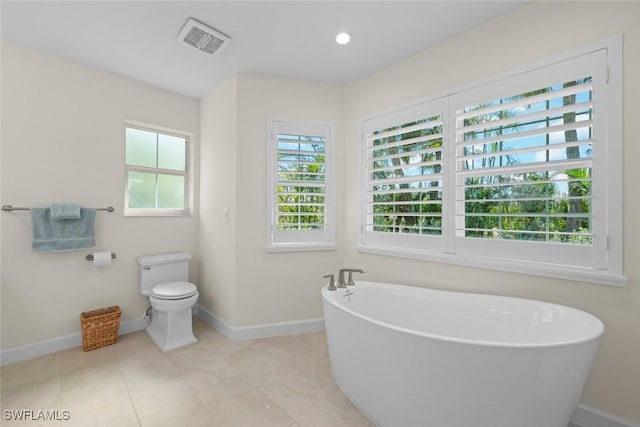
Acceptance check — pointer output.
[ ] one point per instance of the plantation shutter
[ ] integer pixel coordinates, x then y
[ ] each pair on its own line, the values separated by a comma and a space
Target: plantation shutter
300, 183
520, 171
524, 150
404, 184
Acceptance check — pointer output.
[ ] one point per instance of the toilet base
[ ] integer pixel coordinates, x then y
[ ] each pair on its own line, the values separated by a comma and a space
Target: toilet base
171, 330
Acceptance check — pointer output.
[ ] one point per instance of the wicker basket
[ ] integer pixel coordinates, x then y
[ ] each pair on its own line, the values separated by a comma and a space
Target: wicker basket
100, 327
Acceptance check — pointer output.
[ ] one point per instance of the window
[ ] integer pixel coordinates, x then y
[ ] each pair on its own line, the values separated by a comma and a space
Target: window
522, 173
300, 185
404, 182
156, 165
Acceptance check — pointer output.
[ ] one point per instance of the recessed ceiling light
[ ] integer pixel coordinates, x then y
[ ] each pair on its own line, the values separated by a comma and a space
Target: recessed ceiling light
343, 38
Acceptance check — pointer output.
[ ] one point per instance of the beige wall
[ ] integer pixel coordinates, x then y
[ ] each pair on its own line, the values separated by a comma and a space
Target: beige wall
277, 287
218, 158
263, 287
532, 32
62, 140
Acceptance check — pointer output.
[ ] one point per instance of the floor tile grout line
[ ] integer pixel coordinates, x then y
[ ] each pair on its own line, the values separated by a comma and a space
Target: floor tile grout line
126, 385
182, 375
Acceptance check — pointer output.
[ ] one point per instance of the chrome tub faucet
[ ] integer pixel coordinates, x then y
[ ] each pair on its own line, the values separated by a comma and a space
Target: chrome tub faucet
341, 283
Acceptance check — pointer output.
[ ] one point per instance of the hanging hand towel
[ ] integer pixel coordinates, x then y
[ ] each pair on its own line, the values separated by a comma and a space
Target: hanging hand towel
53, 235
65, 211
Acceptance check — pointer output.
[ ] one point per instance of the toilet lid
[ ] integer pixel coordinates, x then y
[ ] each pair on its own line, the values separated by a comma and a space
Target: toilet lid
174, 290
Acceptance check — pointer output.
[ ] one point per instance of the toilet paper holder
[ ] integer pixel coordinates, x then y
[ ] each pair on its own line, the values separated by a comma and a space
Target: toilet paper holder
90, 256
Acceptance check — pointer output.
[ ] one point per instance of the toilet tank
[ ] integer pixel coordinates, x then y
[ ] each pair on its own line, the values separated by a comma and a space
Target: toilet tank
162, 268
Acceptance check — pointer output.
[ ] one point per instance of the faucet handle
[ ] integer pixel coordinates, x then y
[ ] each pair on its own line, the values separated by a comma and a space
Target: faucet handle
350, 281
332, 283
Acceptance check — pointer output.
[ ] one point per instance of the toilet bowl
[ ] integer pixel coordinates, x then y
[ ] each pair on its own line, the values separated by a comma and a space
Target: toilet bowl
163, 278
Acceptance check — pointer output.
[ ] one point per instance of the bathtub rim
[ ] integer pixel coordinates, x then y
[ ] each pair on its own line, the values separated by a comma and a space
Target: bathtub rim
595, 335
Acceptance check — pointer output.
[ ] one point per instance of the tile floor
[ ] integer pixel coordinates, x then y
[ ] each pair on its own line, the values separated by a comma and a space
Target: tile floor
272, 382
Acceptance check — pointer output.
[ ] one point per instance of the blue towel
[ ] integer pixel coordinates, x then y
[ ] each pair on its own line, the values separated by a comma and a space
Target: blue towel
65, 211
52, 235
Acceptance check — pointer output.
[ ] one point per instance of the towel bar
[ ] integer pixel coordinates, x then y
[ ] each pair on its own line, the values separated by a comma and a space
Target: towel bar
9, 208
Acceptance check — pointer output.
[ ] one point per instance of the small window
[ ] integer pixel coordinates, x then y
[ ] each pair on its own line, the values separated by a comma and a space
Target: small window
300, 186
156, 164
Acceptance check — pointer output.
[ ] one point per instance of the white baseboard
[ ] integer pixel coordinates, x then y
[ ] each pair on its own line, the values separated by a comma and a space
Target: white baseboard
587, 416
53, 345
584, 416
260, 331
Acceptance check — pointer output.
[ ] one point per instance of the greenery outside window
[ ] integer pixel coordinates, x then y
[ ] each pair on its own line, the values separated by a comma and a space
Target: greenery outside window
522, 172
156, 165
300, 185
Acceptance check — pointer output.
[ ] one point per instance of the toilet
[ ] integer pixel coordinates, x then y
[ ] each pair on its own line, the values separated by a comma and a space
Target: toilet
164, 279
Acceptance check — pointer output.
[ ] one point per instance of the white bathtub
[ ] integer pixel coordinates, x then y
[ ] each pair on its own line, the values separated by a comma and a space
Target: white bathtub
416, 357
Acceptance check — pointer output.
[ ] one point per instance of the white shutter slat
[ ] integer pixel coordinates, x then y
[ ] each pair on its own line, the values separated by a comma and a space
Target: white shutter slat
407, 180
299, 153
399, 130
415, 140
409, 166
530, 168
525, 134
520, 102
432, 151
534, 149
524, 118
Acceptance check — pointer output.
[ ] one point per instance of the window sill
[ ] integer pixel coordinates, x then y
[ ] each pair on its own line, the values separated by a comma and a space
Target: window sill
535, 269
300, 247
156, 213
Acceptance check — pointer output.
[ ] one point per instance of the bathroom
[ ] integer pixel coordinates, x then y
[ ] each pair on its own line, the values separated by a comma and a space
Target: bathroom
62, 140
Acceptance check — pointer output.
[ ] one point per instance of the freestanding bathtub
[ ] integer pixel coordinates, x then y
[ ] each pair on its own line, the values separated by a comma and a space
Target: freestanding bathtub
416, 357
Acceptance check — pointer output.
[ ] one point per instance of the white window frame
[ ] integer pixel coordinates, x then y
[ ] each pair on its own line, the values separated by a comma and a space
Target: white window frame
299, 240
601, 262
187, 173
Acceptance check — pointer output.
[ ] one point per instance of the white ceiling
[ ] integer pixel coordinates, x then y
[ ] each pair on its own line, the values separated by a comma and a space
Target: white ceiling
292, 39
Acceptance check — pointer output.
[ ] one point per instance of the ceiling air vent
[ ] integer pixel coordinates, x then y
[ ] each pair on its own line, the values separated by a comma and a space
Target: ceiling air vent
203, 37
